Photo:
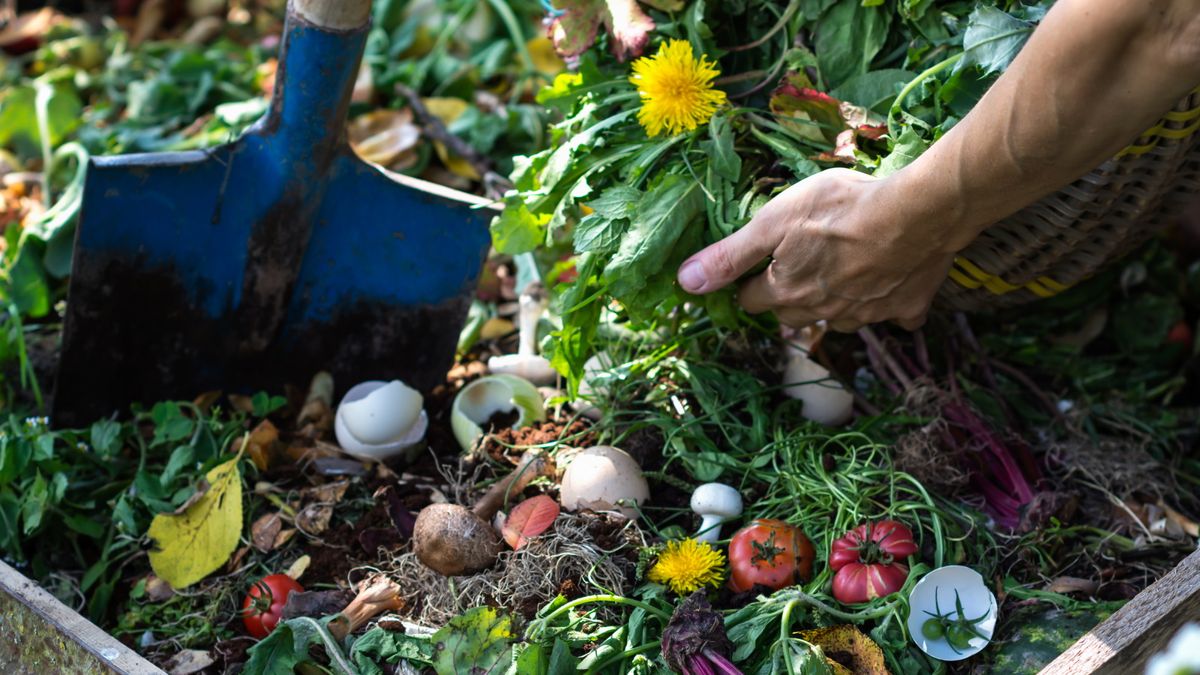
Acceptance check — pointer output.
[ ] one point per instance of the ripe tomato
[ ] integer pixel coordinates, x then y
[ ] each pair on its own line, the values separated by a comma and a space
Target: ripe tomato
264, 603
868, 561
769, 553
1180, 334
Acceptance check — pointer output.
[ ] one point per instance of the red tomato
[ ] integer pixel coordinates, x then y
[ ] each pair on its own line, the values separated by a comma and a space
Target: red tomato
868, 561
769, 553
264, 603
1181, 334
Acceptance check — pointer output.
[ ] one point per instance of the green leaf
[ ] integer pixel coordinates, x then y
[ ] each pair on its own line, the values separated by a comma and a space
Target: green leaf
274, 654
992, 39
18, 114
264, 404
105, 437
479, 641
873, 90
85, 526
662, 216
848, 37
723, 157
383, 646
518, 230
33, 505
170, 424
909, 146
27, 281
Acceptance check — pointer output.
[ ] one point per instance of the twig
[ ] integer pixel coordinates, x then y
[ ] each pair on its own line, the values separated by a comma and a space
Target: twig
495, 184
873, 342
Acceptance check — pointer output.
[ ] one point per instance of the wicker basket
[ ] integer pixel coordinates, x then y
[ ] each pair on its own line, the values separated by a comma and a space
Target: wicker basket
1063, 239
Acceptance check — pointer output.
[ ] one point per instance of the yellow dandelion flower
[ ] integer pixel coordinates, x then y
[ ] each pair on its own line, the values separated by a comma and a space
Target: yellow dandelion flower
676, 89
687, 566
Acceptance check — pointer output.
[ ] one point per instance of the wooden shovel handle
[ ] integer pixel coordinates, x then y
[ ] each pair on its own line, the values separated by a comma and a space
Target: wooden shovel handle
334, 14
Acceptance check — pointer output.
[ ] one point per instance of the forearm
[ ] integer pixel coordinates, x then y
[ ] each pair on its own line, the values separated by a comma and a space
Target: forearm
1093, 76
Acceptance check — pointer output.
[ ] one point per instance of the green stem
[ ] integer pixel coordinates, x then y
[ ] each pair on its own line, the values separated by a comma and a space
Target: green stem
785, 622
514, 31
855, 617
612, 599
640, 649
913, 84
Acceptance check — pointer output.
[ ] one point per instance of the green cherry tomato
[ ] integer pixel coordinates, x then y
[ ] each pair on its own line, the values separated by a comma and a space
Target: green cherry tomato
959, 637
933, 629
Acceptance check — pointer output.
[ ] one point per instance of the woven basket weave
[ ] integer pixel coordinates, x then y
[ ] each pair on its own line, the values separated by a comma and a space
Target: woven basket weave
1061, 240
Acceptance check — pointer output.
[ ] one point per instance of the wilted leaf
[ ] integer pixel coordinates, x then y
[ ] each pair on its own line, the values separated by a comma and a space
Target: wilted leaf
1066, 585
265, 530
383, 136
158, 590
529, 519
545, 58
856, 652
300, 566
478, 641
315, 603
574, 31
314, 519
329, 493
188, 661
630, 28
191, 545
261, 444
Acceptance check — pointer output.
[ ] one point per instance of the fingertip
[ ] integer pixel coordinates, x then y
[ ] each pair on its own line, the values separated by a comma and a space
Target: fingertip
692, 277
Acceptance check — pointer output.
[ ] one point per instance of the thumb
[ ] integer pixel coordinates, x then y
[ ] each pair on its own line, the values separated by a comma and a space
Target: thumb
724, 262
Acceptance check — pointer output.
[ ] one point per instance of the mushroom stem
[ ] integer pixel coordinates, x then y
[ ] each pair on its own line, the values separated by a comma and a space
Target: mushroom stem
710, 528
528, 313
380, 594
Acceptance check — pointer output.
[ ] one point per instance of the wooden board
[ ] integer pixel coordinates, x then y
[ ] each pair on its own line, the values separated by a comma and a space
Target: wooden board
1143, 627
41, 636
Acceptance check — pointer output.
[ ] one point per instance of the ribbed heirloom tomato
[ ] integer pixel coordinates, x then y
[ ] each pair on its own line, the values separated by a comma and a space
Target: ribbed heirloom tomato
769, 553
264, 603
868, 562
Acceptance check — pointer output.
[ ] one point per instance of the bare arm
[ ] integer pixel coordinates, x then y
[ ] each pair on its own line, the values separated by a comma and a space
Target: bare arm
1092, 77
853, 249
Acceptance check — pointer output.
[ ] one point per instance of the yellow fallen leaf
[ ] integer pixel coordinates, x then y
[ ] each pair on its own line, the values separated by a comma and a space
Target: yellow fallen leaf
856, 654
447, 109
545, 57
195, 543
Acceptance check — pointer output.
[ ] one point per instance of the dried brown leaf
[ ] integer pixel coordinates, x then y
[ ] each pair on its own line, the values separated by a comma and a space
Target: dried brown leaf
1066, 585
265, 531
314, 518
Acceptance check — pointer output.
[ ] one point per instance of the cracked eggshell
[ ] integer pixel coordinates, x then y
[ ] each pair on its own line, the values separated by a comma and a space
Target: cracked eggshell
380, 420
481, 399
603, 478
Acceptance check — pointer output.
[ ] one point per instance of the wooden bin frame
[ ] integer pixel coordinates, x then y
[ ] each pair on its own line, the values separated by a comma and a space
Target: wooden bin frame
41, 636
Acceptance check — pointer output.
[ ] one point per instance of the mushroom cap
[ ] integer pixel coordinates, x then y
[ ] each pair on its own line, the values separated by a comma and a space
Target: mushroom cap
599, 477
717, 499
452, 541
536, 369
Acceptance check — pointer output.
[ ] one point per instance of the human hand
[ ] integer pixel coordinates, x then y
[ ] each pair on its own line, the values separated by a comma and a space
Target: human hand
846, 248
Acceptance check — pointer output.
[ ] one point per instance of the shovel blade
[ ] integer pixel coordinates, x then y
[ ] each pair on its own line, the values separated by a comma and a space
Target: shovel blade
158, 308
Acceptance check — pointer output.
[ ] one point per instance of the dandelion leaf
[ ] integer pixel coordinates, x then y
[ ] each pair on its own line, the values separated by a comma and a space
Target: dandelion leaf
478, 642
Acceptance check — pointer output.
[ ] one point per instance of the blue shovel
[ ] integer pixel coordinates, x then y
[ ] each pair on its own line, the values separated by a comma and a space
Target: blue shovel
255, 264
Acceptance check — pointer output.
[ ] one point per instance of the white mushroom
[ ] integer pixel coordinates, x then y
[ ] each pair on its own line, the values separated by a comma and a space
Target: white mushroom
380, 420
715, 503
526, 363
825, 400
604, 478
